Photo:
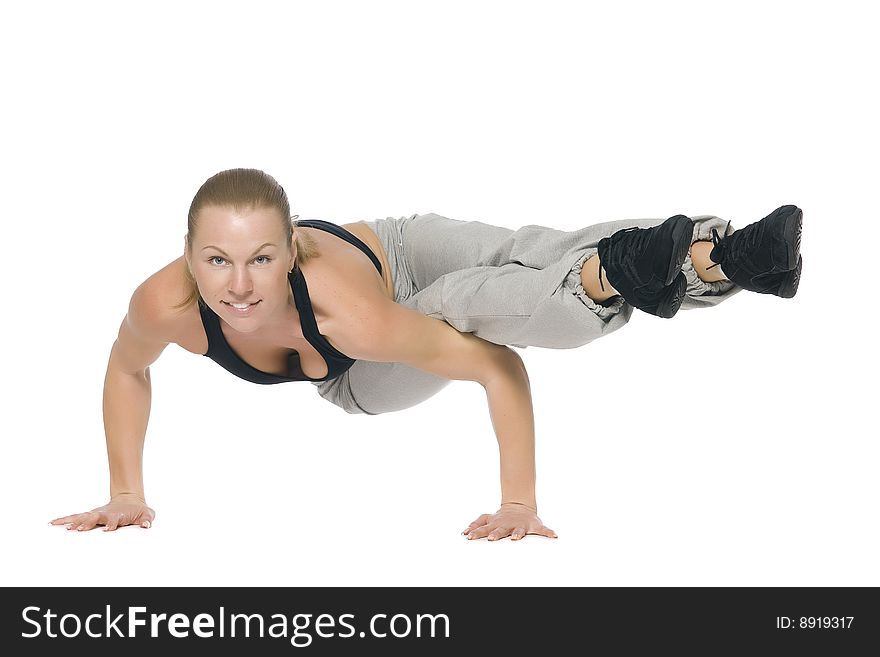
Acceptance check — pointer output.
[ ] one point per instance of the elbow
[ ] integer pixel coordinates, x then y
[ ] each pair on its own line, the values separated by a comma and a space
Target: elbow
505, 363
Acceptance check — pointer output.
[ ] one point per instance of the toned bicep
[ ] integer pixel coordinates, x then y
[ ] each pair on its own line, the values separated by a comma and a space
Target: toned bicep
395, 333
141, 336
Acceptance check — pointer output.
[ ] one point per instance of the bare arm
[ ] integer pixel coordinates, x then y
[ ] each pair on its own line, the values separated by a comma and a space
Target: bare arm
126, 412
393, 333
126, 407
128, 392
510, 407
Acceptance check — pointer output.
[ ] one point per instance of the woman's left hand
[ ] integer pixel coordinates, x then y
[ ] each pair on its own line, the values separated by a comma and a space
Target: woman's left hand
512, 519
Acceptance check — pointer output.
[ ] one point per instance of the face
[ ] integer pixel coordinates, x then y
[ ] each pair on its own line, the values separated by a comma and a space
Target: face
242, 259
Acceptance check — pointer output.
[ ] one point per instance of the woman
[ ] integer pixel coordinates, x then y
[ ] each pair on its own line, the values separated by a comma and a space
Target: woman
381, 315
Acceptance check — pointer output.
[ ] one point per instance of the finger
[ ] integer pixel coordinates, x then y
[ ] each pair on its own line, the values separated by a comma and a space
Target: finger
112, 523
75, 521
479, 522
146, 524
480, 532
76, 518
90, 522
517, 533
545, 531
500, 532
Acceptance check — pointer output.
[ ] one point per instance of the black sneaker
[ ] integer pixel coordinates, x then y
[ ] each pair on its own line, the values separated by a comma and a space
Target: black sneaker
764, 256
644, 264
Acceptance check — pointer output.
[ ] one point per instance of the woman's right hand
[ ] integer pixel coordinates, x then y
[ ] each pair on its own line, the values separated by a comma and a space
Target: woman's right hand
124, 509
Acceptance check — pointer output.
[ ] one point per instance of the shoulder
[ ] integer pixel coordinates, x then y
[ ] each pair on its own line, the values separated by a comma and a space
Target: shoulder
151, 309
150, 324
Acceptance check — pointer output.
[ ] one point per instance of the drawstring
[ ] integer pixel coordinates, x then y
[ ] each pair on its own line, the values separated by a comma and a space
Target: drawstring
716, 240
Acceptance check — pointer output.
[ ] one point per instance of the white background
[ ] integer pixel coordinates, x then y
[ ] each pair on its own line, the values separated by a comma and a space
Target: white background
733, 445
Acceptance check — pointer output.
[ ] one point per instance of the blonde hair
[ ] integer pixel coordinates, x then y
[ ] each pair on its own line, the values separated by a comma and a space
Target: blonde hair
242, 190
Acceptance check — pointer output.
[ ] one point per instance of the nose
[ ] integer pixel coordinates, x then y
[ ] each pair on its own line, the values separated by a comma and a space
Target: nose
240, 284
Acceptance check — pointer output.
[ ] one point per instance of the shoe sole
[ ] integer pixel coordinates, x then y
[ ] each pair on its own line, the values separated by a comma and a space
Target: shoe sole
790, 283
792, 234
670, 305
682, 238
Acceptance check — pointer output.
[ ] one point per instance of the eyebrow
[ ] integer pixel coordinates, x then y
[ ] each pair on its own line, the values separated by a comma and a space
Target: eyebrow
210, 246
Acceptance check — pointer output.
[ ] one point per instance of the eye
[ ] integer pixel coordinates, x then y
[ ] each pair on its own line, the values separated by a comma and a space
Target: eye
266, 259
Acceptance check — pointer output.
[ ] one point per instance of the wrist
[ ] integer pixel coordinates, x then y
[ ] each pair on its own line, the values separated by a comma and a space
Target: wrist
128, 496
519, 505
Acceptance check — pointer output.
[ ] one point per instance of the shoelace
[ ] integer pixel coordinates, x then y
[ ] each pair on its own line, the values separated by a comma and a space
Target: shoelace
716, 240
623, 230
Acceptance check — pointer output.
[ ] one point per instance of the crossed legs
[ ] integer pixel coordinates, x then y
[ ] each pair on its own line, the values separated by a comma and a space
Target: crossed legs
699, 253
642, 262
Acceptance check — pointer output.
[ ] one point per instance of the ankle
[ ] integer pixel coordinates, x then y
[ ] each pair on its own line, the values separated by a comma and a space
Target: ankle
590, 272
707, 269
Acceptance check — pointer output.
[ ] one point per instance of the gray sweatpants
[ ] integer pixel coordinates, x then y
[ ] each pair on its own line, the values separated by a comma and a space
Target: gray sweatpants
514, 287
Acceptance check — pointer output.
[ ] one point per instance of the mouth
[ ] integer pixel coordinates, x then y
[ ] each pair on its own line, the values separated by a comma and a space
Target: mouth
240, 309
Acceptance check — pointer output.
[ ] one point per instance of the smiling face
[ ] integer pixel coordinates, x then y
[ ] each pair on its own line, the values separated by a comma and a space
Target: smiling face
242, 259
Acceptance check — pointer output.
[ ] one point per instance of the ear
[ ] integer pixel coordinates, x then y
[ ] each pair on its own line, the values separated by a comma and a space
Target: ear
293, 250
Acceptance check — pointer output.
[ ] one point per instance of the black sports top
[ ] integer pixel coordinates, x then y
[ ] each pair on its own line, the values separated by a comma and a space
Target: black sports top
337, 362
